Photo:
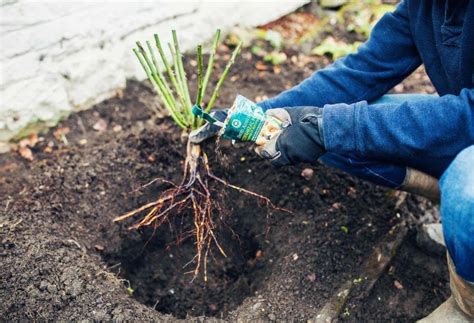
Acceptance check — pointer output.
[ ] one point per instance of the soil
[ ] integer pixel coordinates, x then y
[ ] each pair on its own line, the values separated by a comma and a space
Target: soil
63, 258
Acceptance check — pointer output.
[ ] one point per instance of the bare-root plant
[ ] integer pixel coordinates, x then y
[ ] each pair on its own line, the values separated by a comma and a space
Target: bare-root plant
193, 192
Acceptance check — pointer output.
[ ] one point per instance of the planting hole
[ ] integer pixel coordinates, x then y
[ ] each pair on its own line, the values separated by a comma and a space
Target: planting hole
153, 264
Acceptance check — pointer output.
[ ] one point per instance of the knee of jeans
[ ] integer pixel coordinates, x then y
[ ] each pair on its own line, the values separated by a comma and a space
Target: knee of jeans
457, 208
458, 180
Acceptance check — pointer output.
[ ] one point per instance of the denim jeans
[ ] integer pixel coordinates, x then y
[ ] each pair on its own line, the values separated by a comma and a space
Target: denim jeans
374, 171
457, 212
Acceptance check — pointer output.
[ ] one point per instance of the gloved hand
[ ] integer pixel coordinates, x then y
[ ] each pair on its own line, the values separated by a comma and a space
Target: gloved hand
208, 130
301, 139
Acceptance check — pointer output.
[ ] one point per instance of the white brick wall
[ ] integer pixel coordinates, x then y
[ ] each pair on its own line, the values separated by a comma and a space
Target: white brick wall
62, 56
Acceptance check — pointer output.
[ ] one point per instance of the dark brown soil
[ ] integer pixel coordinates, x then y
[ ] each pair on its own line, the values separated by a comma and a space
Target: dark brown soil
63, 258
423, 282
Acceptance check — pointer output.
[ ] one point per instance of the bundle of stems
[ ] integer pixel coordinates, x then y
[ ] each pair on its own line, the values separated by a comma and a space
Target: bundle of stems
193, 192
171, 83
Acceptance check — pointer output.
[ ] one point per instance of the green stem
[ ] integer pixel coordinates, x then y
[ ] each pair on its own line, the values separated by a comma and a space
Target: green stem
200, 70
160, 89
166, 92
160, 76
180, 107
170, 72
210, 65
180, 86
199, 94
153, 58
223, 77
182, 74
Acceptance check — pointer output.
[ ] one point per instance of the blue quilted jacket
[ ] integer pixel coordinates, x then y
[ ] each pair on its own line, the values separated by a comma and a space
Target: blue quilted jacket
425, 135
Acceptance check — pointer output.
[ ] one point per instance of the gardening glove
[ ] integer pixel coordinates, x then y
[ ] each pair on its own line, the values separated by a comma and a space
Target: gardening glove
208, 130
300, 140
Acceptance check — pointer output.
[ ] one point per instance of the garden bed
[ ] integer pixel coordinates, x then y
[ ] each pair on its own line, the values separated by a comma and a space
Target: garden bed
63, 258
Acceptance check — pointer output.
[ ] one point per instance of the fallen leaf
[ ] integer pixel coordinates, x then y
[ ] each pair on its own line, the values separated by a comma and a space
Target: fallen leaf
100, 125
30, 141
260, 66
60, 132
98, 247
397, 284
26, 153
259, 254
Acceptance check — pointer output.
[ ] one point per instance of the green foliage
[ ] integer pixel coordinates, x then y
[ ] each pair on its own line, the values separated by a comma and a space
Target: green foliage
361, 16
273, 37
355, 17
171, 84
335, 48
275, 58
258, 51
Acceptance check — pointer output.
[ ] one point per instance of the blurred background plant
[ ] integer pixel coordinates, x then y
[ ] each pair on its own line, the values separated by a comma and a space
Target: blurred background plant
332, 28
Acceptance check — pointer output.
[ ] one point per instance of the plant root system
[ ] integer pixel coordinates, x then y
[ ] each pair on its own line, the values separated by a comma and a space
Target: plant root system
195, 193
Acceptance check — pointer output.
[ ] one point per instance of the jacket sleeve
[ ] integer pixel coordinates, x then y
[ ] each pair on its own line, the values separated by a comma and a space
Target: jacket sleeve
436, 128
383, 61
